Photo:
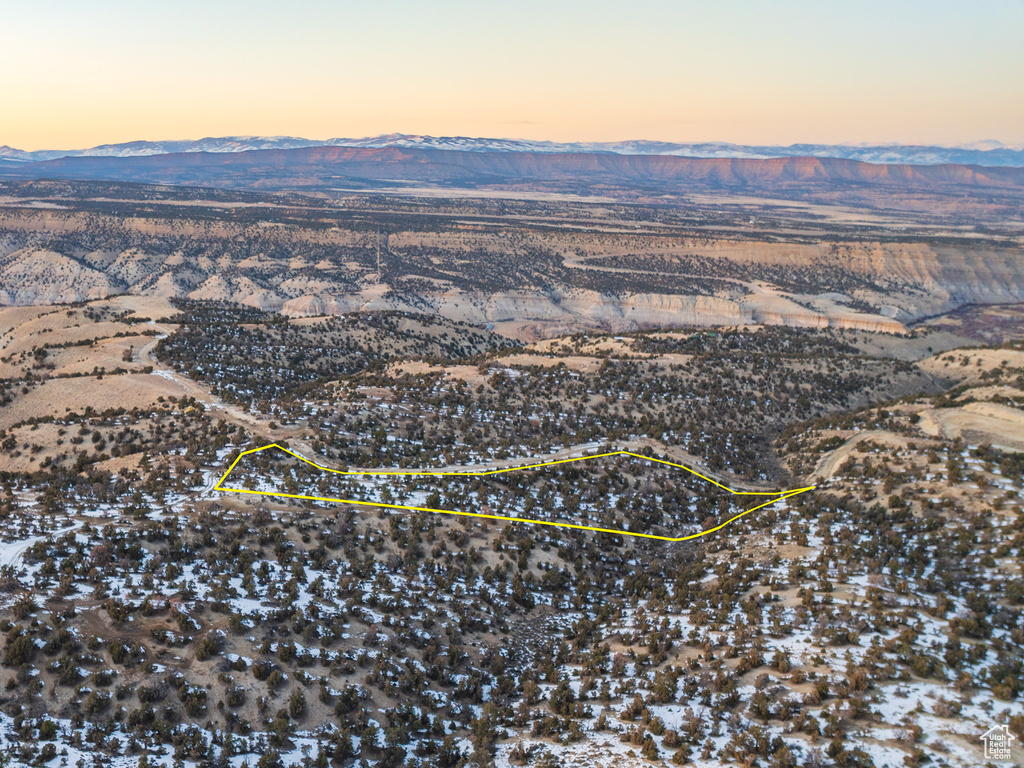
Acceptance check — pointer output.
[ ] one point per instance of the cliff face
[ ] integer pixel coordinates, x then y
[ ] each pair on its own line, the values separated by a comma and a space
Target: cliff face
553, 315
556, 277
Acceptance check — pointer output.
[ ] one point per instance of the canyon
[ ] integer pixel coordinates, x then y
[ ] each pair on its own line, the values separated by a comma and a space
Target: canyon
530, 269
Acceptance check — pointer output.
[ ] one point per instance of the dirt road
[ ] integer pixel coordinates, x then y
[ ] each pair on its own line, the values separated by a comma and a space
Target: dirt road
576, 451
262, 428
225, 411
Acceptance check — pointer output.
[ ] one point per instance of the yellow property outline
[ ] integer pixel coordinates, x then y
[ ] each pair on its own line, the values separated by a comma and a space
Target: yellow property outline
779, 495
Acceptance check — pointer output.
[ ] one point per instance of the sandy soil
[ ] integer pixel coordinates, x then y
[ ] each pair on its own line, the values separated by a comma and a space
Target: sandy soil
468, 373
118, 463
978, 361
151, 307
831, 461
998, 425
107, 354
576, 363
614, 346
58, 396
12, 317
35, 446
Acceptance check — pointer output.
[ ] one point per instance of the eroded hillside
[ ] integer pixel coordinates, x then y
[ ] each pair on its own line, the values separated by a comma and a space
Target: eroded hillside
529, 268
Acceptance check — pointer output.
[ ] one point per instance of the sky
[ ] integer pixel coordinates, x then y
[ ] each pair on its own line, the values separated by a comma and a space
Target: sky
75, 74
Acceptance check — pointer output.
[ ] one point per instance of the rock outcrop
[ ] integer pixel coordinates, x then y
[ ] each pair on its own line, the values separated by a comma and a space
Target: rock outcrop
589, 310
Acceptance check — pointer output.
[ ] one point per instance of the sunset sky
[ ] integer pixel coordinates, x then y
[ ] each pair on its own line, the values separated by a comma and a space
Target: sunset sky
74, 74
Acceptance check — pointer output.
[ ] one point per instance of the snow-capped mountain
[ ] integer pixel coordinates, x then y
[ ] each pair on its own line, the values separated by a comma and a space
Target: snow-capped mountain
144, 148
986, 153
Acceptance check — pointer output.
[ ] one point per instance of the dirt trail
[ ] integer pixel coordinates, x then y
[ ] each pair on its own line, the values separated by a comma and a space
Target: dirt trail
978, 422
831, 461
12, 554
574, 451
213, 403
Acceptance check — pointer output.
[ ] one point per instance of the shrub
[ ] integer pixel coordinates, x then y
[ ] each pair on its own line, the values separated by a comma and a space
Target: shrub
18, 651
236, 696
297, 706
206, 648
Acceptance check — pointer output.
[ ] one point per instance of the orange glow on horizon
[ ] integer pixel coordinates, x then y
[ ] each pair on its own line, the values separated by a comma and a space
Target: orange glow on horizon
743, 72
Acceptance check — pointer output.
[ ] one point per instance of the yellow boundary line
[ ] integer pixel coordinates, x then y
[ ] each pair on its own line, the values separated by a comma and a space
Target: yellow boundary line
778, 495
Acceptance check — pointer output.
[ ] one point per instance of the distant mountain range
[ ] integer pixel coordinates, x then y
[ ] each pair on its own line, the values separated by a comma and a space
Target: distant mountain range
985, 153
327, 169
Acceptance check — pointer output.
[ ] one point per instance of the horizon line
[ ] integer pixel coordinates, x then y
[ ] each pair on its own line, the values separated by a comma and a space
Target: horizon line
964, 146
